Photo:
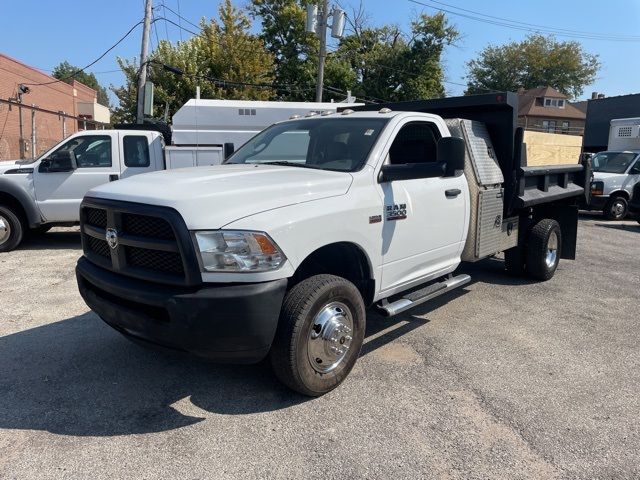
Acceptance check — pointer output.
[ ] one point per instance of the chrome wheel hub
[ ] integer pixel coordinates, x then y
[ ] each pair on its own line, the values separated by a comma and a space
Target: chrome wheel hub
330, 337
552, 250
5, 230
617, 209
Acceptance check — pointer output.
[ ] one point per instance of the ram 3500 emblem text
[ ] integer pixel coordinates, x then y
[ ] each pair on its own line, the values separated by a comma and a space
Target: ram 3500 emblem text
396, 211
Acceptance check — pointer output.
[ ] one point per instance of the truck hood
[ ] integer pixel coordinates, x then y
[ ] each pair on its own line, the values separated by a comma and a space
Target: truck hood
211, 197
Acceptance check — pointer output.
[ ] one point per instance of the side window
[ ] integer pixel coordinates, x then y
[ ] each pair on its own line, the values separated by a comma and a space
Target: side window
416, 142
635, 170
136, 151
89, 151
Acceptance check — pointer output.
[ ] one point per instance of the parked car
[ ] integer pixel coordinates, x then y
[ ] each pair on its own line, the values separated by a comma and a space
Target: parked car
279, 250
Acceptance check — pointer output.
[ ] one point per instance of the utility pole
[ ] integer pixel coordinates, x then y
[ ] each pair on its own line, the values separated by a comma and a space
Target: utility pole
323, 15
144, 51
318, 22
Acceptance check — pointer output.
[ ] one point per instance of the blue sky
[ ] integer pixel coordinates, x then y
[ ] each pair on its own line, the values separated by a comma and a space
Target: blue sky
44, 33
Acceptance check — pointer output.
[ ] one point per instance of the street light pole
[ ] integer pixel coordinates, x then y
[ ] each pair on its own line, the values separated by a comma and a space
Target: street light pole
144, 51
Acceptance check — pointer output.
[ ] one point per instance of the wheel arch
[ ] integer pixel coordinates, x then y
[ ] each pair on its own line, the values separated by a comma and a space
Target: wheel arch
17, 198
344, 259
620, 193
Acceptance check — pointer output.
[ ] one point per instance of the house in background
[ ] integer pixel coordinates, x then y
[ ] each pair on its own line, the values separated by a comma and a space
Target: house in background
544, 109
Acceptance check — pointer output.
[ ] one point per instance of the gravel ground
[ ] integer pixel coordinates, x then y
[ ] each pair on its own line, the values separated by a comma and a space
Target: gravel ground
502, 379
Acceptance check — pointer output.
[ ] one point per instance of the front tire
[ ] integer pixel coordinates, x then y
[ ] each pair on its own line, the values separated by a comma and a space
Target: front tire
543, 249
11, 229
319, 335
616, 208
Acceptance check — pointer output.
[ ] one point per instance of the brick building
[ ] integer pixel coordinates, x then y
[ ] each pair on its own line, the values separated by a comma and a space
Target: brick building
544, 109
50, 96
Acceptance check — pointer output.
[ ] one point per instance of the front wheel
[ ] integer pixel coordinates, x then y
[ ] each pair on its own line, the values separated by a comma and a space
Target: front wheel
616, 208
11, 229
543, 249
319, 335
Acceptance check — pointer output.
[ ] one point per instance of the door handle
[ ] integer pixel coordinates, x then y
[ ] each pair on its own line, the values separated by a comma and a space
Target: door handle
113, 177
452, 193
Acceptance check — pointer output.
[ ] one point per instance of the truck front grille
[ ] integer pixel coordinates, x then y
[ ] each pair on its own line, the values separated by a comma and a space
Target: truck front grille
152, 243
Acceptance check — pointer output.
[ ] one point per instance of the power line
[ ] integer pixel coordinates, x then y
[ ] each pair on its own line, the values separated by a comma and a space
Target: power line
569, 31
527, 27
91, 64
177, 14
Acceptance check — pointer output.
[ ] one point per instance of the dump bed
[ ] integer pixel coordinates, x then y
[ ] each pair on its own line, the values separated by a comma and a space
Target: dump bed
523, 186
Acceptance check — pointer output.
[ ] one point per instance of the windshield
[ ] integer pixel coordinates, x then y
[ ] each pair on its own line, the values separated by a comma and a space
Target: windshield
339, 144
612, 162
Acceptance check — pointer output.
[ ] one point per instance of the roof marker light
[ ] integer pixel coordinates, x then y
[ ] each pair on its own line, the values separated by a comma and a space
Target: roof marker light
384, 110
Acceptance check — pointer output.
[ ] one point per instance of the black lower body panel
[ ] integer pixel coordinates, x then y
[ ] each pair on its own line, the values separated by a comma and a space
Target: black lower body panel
228, 323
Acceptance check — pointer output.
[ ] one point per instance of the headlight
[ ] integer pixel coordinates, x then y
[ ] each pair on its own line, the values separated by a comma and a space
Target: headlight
238, 251
597, 188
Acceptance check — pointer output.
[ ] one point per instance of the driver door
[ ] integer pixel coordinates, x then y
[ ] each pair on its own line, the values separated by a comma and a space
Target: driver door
424, 218
58, 194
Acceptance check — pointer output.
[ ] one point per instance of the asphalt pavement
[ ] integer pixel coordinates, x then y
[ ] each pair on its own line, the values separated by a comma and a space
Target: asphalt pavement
504, 378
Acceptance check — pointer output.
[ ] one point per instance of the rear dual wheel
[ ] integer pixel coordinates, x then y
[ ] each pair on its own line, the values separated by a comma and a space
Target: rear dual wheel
319, 336
540, 257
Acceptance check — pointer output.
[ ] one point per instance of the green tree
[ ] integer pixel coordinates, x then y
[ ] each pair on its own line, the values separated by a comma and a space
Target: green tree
294, 49
536, 61
67, 72
219, 60
392, 66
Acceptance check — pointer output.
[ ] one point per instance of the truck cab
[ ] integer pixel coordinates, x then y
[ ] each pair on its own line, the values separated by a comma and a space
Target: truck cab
47, 191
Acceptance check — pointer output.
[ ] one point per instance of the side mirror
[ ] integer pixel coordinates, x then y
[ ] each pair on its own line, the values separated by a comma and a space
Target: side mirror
410, 171
58, 162
451, 152
228, 148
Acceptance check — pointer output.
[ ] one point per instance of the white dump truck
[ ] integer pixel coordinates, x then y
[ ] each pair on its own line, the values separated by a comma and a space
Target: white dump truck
38, 194
279, 250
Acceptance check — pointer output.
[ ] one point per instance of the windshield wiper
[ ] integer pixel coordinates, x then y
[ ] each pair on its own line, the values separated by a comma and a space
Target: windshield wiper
288, 164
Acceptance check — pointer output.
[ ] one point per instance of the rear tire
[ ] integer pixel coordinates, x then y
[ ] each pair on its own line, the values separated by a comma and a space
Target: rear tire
543, 249
616, 208
319, 335
11, 229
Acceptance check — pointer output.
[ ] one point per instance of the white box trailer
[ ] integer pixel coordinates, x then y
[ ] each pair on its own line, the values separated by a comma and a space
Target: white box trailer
624, 134
202, 128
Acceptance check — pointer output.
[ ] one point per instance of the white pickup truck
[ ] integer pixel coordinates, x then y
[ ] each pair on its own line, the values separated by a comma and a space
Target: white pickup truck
38, 194
279, 250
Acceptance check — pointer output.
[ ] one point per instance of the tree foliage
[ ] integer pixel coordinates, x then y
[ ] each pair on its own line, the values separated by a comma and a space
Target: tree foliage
224, 55
389, 65
67, 72
536, 61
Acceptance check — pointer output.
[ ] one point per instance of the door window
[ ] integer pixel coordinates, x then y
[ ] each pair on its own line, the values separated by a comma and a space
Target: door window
88, 150
416, 142
136, 151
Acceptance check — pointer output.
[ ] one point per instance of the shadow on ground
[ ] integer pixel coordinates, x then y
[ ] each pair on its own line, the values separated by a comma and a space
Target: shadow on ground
79, 377
54, 240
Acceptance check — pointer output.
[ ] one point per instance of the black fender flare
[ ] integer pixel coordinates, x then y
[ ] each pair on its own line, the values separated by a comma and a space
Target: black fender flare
24, 199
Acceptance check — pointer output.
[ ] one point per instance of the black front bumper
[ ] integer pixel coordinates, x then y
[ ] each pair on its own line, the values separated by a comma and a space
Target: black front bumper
224, 322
